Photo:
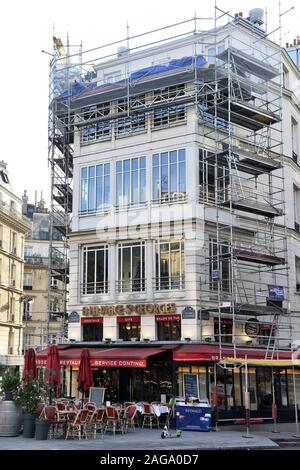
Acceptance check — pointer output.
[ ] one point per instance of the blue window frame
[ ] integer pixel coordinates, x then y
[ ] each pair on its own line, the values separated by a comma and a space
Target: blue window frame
131, 181
169, 176
95, 187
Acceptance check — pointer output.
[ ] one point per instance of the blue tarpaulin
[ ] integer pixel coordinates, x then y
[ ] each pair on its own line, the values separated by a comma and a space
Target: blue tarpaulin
173, 64
186, 61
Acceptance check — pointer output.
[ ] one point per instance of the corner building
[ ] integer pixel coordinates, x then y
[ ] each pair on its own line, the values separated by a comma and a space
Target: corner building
184, 223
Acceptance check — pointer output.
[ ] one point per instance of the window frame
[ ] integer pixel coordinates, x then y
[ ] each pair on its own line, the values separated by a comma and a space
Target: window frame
103, 288
141, 284
85, 187
157, 180
168, 284
121, 187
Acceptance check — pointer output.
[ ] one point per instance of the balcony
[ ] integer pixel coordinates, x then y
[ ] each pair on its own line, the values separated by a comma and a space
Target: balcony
163, 283
36, 259
100, 287
131, 285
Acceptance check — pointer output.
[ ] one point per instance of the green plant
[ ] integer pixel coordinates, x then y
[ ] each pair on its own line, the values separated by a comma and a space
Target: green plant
30, 394
9, 382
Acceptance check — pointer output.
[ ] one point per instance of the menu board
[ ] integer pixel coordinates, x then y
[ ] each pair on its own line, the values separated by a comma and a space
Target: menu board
97, 396
190, 385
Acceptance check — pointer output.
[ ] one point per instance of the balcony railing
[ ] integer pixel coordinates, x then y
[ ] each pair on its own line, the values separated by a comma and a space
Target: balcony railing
169, 282
101, 287
131, 285
35, 259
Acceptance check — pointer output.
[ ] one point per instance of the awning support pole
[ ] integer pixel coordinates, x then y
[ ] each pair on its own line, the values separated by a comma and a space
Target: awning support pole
296, 407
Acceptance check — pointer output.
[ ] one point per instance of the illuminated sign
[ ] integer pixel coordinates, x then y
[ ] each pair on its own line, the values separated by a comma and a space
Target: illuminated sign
129, 309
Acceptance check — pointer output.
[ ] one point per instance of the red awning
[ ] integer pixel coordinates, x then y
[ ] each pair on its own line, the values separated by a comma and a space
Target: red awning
210, 353
85, 320
104, 357
127, 319
167, 318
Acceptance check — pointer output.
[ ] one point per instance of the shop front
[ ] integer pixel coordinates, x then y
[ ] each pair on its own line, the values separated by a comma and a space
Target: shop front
266, 383
158, 372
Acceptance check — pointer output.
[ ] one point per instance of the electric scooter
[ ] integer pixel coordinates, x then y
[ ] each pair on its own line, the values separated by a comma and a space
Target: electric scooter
167, 433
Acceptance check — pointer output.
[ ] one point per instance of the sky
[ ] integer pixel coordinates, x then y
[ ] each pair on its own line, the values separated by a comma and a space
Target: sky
26, 29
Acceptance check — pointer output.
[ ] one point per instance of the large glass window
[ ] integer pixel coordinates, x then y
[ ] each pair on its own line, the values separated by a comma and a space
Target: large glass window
129, 330
219, 265
169, 265
95, 270
95, 187
168, 330
169, 176
131, 261
92, 332
166, 116
226, 330
131, 181
96, 130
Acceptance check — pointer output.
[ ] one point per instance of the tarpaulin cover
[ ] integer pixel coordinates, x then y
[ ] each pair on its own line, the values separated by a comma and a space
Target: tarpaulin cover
173, 64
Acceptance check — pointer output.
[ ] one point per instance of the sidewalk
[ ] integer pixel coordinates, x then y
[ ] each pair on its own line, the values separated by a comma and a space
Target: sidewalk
226, 439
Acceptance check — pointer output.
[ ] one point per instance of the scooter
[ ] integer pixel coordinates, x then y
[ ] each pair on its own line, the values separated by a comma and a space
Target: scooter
167, 433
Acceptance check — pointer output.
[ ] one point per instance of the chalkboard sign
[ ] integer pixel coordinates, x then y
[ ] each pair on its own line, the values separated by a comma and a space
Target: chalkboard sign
190, 384
97, 396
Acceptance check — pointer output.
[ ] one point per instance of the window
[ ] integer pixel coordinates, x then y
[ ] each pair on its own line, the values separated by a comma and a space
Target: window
167, 116
14, 243
96, 130
135, 122
131, 181
28, 251
297, 208
1, 236
211, 53
129, 330
226, 330
219, 268
266, 335
11, 341
212, 180
169, 176
4, 177
13, 275
95, 270
27, 281
131, 261
285, 76
92, 332
297, 266
295, 139
95, 187
169, 265
27, 311
168, 330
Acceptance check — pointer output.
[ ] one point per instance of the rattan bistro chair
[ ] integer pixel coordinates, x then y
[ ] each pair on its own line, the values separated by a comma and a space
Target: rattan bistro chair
149, 417
78, 424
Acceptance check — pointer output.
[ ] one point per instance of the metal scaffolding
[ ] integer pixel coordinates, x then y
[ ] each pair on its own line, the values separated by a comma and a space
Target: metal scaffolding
237, 97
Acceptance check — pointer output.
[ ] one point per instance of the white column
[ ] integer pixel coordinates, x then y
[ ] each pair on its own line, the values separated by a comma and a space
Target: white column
112, 270
150, 247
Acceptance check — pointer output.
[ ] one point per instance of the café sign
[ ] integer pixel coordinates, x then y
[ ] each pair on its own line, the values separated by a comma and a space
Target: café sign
128, 309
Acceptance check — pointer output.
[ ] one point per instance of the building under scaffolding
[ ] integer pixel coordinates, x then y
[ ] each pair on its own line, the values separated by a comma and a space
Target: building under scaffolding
184, 230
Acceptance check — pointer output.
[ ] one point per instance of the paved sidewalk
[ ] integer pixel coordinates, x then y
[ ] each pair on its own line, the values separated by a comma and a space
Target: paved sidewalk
149, 439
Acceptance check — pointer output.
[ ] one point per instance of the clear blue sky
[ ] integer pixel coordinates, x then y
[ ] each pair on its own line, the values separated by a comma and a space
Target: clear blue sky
27, 28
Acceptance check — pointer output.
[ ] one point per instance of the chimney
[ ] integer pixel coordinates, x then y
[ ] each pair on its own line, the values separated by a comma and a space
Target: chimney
24, 202
35, 198
241, 14
236, 15
294, 42
286, 44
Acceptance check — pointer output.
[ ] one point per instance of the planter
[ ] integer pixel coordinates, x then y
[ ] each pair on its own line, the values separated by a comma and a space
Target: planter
42, 429
29, 424
8, 396
10, 419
